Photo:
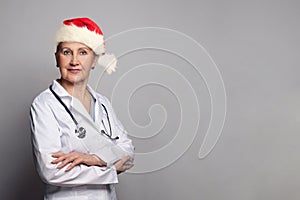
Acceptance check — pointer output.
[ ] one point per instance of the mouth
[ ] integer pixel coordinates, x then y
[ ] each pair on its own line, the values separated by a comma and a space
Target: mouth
74, 71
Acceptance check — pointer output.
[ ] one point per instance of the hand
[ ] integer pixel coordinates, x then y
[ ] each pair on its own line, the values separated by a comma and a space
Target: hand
76, 158
121, 165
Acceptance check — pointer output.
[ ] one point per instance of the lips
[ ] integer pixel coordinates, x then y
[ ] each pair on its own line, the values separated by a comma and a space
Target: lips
74, 71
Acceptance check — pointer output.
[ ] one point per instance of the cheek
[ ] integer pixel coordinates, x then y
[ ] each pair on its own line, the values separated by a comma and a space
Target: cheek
63, 60
87, 62
63, 70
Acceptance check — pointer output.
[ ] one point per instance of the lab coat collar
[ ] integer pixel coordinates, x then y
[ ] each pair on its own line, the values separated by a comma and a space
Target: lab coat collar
75, 104
92, 92
59, 90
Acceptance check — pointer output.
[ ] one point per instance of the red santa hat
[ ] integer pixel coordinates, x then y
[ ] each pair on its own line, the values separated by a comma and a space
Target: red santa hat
85, 31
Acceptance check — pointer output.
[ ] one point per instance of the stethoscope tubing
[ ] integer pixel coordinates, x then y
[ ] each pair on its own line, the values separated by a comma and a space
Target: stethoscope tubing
80, 130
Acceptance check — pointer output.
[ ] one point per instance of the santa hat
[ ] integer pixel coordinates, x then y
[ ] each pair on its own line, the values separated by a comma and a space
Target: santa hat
85, 31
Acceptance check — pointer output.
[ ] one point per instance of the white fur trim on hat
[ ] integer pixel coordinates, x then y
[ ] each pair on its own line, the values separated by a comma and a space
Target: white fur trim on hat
108, 62
72, 33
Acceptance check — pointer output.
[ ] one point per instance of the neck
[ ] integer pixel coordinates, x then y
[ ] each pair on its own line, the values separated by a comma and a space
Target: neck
78, 90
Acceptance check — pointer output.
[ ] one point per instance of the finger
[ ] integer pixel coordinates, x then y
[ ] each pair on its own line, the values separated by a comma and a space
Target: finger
71, 166
66, 161
59, 159
75, 162
122, 161
126, 167
125, 159
58, 154
129, 166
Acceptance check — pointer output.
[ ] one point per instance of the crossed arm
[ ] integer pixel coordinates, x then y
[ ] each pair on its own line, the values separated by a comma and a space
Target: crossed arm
75, 158
46, 139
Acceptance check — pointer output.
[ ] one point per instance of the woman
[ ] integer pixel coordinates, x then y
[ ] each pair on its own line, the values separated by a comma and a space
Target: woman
79, 144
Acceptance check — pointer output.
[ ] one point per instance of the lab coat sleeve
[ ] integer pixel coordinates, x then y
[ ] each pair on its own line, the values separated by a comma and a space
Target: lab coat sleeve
124, 142
46, 140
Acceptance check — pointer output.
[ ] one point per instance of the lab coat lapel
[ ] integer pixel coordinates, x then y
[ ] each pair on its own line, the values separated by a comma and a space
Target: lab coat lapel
82, 112
94, 141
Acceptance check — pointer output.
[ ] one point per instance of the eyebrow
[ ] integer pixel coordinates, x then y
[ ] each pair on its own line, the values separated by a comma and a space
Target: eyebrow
80, 48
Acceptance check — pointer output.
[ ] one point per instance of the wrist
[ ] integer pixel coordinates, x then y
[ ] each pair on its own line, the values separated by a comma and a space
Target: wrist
100, 162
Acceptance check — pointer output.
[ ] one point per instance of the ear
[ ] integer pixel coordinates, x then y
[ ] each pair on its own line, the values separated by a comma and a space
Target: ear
95, 61
57, 59
58, 47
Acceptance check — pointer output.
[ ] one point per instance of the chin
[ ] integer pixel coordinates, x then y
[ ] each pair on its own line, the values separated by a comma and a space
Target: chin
74, 80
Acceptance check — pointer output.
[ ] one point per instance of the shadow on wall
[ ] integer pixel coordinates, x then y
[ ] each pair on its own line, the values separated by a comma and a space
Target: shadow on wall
19, 180
18, 177
29, 186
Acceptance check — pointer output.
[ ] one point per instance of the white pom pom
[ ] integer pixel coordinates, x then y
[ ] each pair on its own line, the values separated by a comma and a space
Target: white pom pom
108, 62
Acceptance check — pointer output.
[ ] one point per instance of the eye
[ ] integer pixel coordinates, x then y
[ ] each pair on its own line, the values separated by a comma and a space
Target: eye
66, 52
82, 52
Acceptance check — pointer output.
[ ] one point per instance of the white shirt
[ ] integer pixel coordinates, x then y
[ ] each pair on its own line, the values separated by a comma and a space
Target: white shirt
53, 130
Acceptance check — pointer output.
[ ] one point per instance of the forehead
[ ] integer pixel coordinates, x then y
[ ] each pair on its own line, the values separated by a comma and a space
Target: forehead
74, 45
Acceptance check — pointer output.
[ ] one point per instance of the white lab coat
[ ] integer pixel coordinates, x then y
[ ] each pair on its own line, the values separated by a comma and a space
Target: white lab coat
53, 131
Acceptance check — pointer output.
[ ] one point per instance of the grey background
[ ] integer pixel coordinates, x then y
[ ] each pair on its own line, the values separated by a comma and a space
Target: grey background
256, 47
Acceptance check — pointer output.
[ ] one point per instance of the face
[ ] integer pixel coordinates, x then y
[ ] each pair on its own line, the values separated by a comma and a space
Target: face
75, 60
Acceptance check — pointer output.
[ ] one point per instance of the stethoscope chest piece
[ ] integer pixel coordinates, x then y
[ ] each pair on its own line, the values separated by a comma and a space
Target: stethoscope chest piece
80, 132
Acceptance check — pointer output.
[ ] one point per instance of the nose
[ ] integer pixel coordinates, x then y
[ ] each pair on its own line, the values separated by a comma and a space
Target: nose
74, 61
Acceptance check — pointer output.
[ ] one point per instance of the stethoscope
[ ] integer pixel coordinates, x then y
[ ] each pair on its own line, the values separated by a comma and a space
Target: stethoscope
80, 131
